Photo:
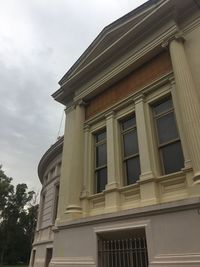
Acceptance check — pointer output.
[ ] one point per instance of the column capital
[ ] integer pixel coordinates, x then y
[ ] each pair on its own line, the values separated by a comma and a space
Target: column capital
179, 36
110, 114
172, 81
80, 102
86, 127
139, 98
69, 108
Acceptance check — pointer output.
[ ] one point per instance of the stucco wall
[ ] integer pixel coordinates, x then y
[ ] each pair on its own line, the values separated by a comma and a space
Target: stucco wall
172, 238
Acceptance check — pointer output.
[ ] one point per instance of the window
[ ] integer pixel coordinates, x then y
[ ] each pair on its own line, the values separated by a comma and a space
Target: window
131, 159
100, 161
33, 258
46, 179
52, 173
58, 168
168, 140
56, 203
123, 249
43, 196
49, 253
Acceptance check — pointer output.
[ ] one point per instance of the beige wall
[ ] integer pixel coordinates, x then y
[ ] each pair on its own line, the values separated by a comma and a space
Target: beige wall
172, 237
44, 235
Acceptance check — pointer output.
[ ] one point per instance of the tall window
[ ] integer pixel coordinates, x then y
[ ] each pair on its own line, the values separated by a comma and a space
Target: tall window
33, 258
168, 139
100, 161
56, 203
43, 196
49, 253
131, 159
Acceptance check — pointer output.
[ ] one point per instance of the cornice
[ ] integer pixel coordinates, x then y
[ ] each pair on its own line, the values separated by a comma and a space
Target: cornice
176, 206
49, 155
110, 31
113, 62
135, 34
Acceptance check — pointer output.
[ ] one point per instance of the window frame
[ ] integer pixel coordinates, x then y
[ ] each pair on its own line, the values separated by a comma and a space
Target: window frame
105, 166
155, 117
55, 203
124, 159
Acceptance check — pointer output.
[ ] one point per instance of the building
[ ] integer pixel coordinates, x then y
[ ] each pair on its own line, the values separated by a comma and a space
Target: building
122, 188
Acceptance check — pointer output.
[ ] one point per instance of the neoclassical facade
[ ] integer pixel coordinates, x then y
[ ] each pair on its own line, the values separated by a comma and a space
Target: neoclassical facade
122, 187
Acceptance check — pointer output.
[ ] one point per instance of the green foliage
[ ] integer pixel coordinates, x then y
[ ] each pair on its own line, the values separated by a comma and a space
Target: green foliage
17, 221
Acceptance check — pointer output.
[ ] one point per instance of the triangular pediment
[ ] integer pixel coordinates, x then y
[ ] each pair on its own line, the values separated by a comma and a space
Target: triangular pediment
108, 36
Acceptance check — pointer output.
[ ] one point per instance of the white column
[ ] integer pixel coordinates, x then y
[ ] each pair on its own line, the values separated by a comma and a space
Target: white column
113, 174
72, 164
145, 157
111, 193
85, 187
187, 160
189, 102
148, 187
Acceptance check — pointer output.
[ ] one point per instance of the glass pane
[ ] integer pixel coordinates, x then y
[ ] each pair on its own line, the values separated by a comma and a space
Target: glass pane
100, 136
163, 106
167, 129
172, 155
130, 143
101, 155
128, 123
132, 170
101, 179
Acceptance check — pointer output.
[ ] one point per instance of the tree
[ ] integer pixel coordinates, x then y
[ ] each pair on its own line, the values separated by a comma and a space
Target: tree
17, 221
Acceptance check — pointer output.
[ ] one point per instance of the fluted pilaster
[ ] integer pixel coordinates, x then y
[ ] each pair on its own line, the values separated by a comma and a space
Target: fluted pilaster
113, 175
145, 158
148, 186
188, 102
72, 164
85, 188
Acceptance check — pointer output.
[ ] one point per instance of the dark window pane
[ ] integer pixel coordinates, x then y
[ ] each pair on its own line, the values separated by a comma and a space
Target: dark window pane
172, 157
132, 170
128, 123
101, 155
167, 129
100, 136
101, 179
130, 143
163, 106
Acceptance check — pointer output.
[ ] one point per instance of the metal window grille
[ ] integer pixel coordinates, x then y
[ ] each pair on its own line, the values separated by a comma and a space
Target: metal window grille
123, 253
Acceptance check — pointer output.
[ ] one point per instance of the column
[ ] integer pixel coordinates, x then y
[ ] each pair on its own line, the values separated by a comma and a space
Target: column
113, 175
187, 160
189, 102
148, 187
72, 165
85, 188
112, 194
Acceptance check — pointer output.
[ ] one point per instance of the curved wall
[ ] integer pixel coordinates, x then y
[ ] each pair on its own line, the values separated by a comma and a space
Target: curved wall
49, 174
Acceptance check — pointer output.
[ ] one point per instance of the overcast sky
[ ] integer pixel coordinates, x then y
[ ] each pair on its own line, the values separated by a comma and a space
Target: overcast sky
39, 41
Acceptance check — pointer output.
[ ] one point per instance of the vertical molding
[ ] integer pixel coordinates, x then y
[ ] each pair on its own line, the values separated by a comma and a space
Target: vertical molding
144, 151
86, 168
148, 187
188, 102
113, 173
111, 192
72, 164
86, 159
187, 160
